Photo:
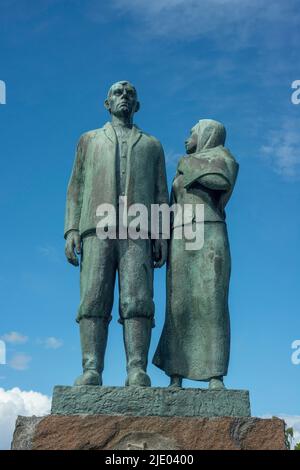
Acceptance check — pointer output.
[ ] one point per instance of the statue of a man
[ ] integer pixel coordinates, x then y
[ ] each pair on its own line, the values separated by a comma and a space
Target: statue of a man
116, 160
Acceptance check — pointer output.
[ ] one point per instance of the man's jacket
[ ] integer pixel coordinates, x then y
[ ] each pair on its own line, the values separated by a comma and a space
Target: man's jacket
93, 180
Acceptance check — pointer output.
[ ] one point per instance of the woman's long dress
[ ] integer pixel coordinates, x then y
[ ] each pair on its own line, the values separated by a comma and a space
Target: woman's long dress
195, 341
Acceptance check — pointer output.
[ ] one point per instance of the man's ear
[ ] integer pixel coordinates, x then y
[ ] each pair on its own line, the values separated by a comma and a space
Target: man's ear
137, 106
106, 105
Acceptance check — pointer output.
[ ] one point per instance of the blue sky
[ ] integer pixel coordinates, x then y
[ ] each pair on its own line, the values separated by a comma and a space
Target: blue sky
227, 60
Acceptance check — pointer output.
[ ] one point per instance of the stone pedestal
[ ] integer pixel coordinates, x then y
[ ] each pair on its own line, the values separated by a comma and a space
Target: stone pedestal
150, 401
136, 418
103, 432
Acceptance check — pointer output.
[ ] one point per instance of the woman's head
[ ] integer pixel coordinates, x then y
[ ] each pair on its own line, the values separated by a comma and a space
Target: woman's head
206, 134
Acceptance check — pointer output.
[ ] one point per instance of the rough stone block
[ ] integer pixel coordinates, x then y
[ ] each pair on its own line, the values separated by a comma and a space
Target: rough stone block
150, 401
103, 432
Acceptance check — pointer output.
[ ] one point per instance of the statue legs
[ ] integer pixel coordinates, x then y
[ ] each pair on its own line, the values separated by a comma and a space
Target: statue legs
136, 306
93, 338
137, 336
97, 277
100, 261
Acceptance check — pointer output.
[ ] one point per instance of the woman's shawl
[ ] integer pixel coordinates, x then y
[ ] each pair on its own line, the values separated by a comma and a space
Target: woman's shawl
211, 161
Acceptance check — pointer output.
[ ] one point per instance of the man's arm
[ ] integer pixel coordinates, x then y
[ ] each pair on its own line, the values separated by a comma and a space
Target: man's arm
73, 206
162, 194
160, 246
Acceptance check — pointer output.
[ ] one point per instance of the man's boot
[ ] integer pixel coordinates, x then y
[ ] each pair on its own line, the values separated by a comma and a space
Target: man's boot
137, 335
93, 338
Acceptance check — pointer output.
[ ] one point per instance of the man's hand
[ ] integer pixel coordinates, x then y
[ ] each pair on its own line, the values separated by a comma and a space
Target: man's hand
160, 252
73, 246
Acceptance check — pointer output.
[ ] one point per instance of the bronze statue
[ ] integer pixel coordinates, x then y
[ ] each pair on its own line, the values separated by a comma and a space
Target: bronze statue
196, 336
116, 160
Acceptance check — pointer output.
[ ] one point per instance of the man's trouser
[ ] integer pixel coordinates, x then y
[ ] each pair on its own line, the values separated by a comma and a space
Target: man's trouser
100, 261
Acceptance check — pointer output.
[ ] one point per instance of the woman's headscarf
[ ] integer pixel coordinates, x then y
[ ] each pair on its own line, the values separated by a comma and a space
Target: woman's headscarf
210, 158
210, 134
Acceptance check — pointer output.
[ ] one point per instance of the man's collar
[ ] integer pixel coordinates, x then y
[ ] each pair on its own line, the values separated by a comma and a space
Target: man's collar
122, 126
111, 135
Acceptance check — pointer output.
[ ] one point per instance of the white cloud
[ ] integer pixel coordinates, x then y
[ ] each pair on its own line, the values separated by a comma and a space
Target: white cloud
16, 402
50, 252
172, 158
282, 149
52, 342
20, 361
14, 338
292, 421
192, 18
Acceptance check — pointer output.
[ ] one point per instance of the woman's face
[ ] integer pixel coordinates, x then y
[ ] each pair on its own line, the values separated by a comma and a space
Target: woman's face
191, 142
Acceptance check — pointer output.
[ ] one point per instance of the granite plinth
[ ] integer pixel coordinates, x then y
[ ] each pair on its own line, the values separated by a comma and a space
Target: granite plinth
100, 432
150, 401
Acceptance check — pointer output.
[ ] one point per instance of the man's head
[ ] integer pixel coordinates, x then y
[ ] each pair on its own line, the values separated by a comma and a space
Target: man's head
122, 100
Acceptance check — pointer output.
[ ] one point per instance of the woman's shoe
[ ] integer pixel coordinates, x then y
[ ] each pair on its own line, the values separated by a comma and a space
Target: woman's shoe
216, 383
175, 381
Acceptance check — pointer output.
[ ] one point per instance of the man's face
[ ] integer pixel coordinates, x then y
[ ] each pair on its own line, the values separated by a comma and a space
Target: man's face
122, 100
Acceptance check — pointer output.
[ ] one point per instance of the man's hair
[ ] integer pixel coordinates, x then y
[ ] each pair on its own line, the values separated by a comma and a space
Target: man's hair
122, 82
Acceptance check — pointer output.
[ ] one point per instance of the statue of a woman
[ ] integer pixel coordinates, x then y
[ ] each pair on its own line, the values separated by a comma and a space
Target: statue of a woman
195, 340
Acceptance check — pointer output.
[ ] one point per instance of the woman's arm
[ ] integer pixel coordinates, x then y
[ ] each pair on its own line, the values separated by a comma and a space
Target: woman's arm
214, 181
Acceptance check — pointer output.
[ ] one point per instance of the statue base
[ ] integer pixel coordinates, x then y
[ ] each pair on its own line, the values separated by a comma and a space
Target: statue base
141, 418
101, 432
150, 401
